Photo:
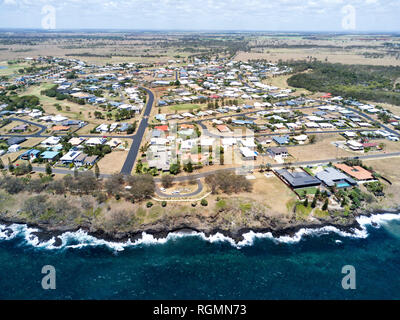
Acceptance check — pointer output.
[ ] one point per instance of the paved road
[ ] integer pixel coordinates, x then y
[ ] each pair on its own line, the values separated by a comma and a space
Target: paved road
36, 134
137, 138
200, 188
295, 164
394, 132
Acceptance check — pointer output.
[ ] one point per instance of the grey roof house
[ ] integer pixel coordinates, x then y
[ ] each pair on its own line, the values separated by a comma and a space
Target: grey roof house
332, 177
298, 179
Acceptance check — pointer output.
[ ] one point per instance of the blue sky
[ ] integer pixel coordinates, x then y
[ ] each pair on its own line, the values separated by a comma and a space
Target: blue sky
265, 15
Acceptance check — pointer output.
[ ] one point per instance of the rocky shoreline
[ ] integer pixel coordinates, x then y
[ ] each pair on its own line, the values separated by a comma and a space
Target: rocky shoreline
159, 230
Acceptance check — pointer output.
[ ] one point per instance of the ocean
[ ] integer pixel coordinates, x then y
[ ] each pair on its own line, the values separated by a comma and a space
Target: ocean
305, 266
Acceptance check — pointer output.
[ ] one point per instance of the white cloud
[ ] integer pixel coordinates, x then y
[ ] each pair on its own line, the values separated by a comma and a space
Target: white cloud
240, 14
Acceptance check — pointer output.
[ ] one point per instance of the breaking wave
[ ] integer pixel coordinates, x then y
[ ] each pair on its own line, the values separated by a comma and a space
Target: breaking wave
81, 239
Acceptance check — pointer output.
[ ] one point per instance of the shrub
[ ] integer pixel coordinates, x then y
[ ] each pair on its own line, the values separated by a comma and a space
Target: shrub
164, 204
149, 204
204, 202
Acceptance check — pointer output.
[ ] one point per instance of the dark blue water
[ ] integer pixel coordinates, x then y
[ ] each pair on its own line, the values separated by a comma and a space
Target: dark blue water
192, 268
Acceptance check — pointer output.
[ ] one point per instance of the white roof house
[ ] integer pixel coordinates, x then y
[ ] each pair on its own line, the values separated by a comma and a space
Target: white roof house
51, 141
95, 141
14, 148
354, 145
248, 143
247, 153
70, 156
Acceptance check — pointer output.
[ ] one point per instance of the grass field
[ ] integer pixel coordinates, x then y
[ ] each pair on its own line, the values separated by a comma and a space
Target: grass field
185, 107
10, 69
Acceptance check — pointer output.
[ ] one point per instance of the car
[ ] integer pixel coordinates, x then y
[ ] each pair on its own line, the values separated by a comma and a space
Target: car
162, 189
176, 192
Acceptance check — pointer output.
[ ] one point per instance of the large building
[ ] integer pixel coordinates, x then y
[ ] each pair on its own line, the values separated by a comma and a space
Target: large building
298, 179
334, 178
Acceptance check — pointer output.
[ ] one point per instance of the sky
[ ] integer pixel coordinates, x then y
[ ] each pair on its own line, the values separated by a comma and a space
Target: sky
246, 15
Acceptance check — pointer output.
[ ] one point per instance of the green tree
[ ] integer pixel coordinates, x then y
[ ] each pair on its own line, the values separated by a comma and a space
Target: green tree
10, 165
175, 168
96, 171
188, 167
49, 171
314, 203
325, 206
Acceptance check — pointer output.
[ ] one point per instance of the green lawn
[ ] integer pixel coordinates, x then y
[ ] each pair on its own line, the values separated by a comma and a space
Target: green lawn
311, 190
181, 107
302, 212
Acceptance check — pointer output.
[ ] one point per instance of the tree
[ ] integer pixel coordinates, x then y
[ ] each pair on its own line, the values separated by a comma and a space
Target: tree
10, 165
141, 187
35, 206
86, 182
96, 171
49, 171
204, 202
167, 180
188, 167
314, 203
29, 167
175, 168
1, 165
306, 203
325, 206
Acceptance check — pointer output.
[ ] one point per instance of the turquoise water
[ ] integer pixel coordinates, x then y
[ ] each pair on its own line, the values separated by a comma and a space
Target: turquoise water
343, 185
192, 268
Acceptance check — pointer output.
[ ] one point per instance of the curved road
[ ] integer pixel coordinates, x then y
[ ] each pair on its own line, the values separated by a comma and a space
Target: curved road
200, 188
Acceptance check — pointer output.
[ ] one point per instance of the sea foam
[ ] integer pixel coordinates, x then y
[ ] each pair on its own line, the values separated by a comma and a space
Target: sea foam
81, 239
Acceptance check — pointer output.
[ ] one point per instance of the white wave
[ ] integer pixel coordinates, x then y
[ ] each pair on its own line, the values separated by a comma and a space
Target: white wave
83, 239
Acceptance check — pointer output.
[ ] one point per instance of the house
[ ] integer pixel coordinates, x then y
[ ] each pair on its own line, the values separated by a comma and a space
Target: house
263, 141
354, 145
79, 161
124, 127
15, 140
95, 141
14, 148
91, 160
301, 138
298, 179
223, 128
103, 128
20, 128
30, 155
60, 128
248, 154
356, 172
75, 141
51, 141
163, 128
70, 157
350, 134
334, 178
113, 143
161, 117
282, 140
278, 153
50, 156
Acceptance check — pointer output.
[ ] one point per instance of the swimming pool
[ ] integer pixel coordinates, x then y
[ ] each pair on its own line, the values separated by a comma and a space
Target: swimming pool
343, 185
